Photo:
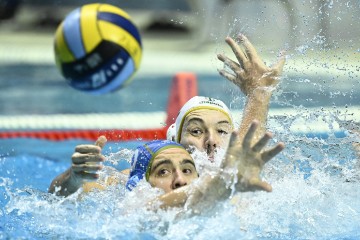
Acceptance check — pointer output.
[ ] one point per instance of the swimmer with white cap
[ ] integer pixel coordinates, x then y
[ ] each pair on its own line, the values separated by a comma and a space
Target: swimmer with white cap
206, 123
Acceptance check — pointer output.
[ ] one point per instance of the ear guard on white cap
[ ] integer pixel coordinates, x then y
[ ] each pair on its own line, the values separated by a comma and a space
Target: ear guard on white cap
196, 103
171, 132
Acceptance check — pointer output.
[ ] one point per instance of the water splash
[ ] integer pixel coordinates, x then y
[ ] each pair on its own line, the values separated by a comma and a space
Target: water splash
314, 195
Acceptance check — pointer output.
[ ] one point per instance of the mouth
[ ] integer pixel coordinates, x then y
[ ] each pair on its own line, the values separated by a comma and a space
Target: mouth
211, 155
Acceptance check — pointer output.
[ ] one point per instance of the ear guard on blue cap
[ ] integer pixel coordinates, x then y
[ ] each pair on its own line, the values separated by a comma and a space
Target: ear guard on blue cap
132, 182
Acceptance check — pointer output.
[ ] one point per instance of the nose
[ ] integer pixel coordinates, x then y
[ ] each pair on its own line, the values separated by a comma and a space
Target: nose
179, 180
211, 142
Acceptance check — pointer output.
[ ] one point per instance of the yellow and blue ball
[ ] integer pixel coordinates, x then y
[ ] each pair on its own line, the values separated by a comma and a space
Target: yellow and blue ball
98, 48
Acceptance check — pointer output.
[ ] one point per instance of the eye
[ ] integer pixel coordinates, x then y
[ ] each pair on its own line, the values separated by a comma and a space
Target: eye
223, 132
163, 172
188, 169
196, 132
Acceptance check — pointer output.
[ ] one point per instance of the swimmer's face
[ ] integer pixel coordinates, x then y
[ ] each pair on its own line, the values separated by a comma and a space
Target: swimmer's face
172, 169
206, 130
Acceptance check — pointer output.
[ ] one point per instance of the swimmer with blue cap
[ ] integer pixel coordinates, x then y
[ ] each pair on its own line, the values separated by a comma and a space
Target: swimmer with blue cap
164, 164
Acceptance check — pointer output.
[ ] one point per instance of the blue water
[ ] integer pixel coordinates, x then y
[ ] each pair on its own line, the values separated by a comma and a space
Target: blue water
315, 181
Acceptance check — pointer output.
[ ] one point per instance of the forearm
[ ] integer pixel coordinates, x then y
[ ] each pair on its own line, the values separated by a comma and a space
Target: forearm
214, 188
206, 192
176, 198
256, 108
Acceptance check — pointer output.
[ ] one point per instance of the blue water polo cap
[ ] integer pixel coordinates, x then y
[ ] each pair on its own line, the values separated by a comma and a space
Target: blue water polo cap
142, 159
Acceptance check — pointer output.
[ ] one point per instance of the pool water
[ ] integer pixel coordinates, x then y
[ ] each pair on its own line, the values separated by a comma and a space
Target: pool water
315, 179
315, 196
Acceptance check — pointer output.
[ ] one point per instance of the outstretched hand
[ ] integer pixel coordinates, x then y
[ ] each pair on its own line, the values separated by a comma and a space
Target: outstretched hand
249, 160
249, 72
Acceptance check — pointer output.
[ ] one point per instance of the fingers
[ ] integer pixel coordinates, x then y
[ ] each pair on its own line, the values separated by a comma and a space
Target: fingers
235, 67
250, 134
87, 175
230, 63
79, 158
88, 148
269, 154
253, 184
260, 185
85, 166
278, 67
266, 187
239, 54
88, 168
250, 55
229, 159
86, 160
249, 48
101, 141
227, 75
233, 139
89, 152
262, 142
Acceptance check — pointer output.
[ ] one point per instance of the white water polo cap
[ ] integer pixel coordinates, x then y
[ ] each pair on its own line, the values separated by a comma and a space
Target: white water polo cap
196, 103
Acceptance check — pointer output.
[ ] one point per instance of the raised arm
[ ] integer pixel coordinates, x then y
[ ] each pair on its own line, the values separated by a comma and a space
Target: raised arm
256, 80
